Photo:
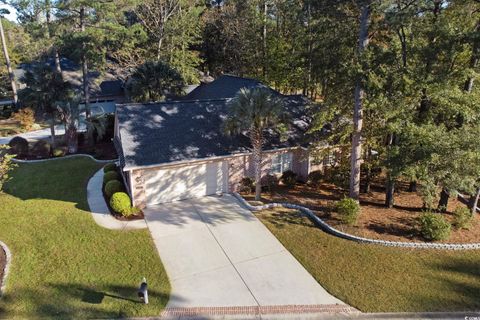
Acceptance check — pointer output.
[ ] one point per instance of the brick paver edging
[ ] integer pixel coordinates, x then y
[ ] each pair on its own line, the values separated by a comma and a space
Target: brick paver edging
331, 230
8, 254
64, 157
257, 310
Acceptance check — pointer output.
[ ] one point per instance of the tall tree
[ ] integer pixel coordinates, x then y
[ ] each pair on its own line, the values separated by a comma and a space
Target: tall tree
7, 58
356, 155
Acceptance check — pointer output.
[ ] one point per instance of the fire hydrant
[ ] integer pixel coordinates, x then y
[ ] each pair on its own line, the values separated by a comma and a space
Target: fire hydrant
143, 291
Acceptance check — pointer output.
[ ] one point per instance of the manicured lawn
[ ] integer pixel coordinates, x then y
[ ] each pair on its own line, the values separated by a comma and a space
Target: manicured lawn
380, 279
64, 265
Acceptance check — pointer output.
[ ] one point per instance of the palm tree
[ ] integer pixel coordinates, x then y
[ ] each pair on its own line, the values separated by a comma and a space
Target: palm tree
153, 81
251, 112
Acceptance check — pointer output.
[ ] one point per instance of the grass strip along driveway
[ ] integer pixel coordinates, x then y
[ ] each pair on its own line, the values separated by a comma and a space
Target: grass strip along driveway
380, 279
64, 265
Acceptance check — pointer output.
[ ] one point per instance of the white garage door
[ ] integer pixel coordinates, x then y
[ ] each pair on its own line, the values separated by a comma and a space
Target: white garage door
178, 183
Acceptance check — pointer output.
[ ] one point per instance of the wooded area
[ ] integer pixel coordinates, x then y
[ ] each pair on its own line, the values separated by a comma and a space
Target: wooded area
393, 79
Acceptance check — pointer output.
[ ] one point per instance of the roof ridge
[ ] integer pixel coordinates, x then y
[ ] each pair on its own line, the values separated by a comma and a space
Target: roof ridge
166, 102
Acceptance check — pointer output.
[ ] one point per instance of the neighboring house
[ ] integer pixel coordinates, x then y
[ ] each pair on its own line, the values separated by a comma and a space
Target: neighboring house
106, 90
177, 150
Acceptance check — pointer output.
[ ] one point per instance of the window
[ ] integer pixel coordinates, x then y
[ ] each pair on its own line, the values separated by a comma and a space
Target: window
281, 163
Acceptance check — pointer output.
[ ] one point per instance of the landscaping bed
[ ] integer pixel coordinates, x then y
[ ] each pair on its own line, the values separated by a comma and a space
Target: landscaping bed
65, 265
120, 208
375, 221
376, 278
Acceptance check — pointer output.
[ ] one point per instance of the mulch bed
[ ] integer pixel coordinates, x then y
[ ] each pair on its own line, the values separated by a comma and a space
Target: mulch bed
375, 221
138, 216
101, 151
3, 263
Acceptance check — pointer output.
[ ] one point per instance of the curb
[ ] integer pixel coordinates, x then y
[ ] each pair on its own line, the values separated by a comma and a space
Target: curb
8, 254
64, 157
331, 230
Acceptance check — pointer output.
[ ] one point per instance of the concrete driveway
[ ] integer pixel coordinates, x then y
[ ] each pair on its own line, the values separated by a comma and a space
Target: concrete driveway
218, 254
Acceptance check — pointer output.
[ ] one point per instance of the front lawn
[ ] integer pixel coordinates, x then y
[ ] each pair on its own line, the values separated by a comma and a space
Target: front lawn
64, 265
380, 279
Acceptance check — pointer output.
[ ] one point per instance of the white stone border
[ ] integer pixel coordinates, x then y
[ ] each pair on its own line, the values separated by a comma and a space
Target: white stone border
331, 230
8, 254
64, 157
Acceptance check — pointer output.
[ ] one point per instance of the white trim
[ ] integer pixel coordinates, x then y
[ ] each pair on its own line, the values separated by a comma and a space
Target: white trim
130, 186
194, 161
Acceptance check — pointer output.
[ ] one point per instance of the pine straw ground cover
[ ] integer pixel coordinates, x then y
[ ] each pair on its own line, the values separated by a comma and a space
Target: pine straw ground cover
63, 264
380, 279
375, 220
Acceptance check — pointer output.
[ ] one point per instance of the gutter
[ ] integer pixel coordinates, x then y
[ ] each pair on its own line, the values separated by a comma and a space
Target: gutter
174, 163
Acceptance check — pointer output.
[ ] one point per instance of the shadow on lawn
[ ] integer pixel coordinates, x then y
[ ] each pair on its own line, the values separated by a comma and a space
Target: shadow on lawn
62, 180
460, 275
77, 301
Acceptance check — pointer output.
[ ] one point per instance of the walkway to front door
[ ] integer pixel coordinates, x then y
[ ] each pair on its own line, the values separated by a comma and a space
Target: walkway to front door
218, 254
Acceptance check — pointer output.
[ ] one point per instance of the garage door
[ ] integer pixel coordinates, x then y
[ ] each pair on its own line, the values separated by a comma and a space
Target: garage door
179, 183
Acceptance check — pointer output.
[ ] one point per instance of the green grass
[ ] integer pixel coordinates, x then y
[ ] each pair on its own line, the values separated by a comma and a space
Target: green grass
64, 265
380, 279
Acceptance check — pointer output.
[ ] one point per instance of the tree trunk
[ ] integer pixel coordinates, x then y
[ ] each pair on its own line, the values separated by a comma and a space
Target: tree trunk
473, 203
443, 202
71, 137
86, 93
257, 159
390, 192
264, 39
413, 186
52, 131
356, 157
56, 56
9, 65
473, 61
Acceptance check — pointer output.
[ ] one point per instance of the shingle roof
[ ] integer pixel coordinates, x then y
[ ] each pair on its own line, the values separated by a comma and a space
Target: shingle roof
226, 86
186, 130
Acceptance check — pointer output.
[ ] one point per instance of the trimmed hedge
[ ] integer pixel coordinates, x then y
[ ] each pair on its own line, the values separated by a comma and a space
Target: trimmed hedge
315, 177
113, 186
109, 176
18, 146
434, 226
110, 167
289, 178
42, 149
349, 210
120, 203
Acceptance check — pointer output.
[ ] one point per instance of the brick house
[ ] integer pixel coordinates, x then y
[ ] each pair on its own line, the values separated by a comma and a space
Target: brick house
176, 150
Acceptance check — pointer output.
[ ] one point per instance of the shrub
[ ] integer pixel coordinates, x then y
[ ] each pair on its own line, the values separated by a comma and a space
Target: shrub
247, 184
26, 117
131, 211
289, 178
110, 167
113, 186
462, 217
18, 146
349, 210
59, 152
120, 202
42, 149
270, 181
109, 176
433, 226
315, 177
